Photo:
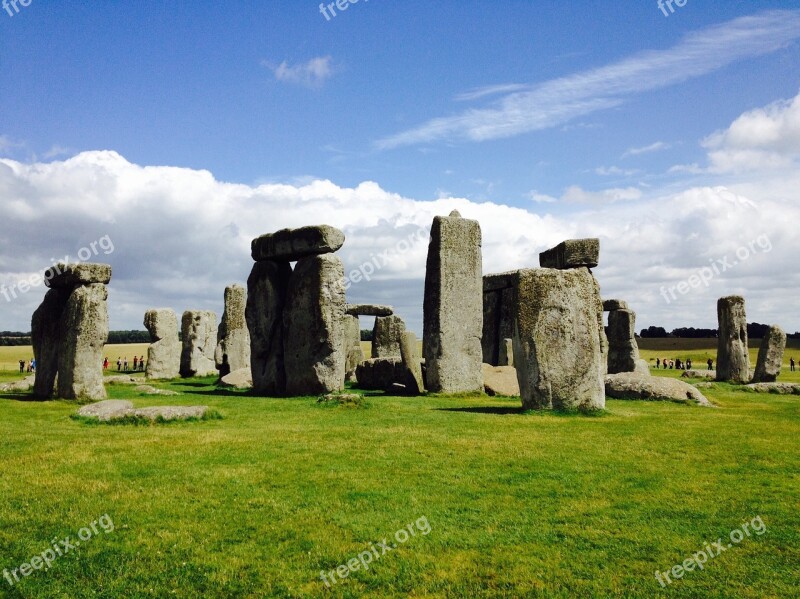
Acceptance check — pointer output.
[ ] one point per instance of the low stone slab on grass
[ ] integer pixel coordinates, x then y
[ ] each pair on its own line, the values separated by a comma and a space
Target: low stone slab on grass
150, 390
628, 385
699, 374
22, 386
238, 379
120, 379
779, 388
500, 380
112, 410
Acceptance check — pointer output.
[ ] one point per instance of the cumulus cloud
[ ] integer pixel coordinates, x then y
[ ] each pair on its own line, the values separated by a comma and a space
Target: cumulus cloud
653, 147
313, 73
180, 236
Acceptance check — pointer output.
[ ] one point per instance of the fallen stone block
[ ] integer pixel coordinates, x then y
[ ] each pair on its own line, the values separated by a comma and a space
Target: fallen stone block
238, 379
500, 380
629, 385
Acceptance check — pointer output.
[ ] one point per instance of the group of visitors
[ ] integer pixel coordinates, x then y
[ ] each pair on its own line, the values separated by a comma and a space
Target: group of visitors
30, 365
122, 364
672, 364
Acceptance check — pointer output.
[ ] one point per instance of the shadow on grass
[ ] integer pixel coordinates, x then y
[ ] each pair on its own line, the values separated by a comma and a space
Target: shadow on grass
485, 410
505, 411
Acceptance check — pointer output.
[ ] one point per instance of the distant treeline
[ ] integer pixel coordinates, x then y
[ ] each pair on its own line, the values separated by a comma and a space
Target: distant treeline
755, 330
366, 334
115, 337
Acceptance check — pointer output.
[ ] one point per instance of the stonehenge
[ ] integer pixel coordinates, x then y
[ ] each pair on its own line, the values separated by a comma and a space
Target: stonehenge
69, 330
733, 363
411, 361
164, 352
353, 353
452, 307
233, 339
199, 333
770, 356
369, 310
573, 253
296, 317
506, 357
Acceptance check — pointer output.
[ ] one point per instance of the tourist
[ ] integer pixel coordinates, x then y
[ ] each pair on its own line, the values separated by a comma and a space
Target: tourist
125, 364
105, 363
135, 363
119, 364
33, 365
22, 367
688, 363
658, 363
710, 364
791, 364
141, 363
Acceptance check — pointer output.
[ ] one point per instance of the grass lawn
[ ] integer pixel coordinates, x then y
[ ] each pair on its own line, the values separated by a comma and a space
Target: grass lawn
518, 504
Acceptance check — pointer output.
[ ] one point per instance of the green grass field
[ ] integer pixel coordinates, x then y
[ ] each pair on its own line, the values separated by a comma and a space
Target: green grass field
515, 504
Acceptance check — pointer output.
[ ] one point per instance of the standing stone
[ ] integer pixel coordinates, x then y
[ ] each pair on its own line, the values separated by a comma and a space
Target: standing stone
45, 336
386, 335
354, 355
733, 362
233, 339
84, 332
411, 360
623, 351
506, 353
770, 356
267, 287
199, 332
558, 339
313, 327
498, 304
453, 306
164, 352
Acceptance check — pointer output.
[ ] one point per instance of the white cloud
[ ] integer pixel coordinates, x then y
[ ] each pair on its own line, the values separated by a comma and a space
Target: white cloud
310, 74
653, 147
614, 171
558, 101
180, 236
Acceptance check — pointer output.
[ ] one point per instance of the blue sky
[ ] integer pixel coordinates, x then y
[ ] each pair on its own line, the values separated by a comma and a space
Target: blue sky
541, 119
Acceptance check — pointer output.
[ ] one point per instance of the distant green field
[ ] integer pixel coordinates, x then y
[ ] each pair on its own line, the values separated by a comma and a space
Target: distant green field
10, 356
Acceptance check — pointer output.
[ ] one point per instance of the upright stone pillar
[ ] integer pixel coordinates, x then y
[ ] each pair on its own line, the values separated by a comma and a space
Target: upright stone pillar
266, 297
233, 339
770, 356
69, 331
386, 336
351, 348
453, 306
313, 326
733, 363
199, 333
558, 340
164, 352
623, 351
498, 305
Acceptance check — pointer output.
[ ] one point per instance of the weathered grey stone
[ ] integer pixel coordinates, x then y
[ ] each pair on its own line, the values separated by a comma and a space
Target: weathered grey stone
351, 346
46, 339
506, 357
72, 275
267, 287
386, 335
381, 374
500, 380
368, 310
108, 409
623, 352
558, 341
313, 327
572, 253
777, 388
409, 353
629, 385
733, 362
150, 390
699, 374
199, 332
770, 356
294, 244
22, 386
84, 332
121, 379
164, 352
499, 281
642, 367
610, 305
238, 379
453, 307
233, 338
170, 412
